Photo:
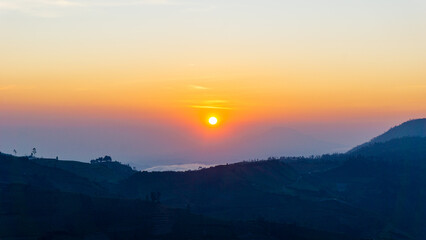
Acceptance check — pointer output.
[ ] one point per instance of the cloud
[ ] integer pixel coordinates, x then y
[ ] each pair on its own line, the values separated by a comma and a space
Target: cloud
210, 107
212, 104
215, 101
197, 87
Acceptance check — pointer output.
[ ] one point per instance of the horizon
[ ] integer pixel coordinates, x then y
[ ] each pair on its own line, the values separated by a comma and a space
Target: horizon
174, 165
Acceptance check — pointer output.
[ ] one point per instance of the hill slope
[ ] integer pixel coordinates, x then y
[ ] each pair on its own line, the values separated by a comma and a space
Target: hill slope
20, 170
42, 202
270, 190
406, 148
386, 178
105, 172
412, 128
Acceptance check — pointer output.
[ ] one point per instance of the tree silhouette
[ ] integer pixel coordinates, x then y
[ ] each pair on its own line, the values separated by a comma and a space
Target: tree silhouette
101, 160
33, 152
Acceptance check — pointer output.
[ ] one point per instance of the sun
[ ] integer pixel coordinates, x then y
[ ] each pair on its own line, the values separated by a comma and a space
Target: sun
212, 120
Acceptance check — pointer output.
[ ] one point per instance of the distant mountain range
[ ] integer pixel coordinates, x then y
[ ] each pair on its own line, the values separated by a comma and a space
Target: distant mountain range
375, 191
259, 143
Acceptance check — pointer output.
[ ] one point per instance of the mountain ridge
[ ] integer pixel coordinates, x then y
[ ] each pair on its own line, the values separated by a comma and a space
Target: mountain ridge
411, 128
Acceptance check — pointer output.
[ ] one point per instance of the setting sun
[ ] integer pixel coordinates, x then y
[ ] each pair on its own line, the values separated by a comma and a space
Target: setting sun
213, 121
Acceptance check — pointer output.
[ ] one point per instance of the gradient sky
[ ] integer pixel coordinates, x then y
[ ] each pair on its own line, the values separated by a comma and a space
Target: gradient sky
138, 79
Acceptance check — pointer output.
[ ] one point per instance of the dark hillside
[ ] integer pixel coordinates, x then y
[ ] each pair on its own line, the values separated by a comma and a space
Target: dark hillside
387, 179
31, 213
270, 190
412, 128
110, 172
412, 149
20, 170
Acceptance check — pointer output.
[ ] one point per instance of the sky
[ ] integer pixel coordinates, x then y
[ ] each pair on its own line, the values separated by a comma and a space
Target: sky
138, 79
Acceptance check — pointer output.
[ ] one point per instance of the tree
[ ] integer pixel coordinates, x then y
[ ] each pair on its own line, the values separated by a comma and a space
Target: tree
33, 152
101, 160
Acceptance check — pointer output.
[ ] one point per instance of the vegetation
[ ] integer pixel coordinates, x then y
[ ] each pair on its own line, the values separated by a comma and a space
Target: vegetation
106, 159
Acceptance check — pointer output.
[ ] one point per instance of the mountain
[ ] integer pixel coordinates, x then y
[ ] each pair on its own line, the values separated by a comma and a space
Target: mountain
410, 149
270, 190
412, 128
386, 178
104, 172
47, 202
31, 213
21, 170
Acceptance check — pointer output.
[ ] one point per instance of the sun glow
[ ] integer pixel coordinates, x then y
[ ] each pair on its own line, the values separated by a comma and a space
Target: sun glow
212, 120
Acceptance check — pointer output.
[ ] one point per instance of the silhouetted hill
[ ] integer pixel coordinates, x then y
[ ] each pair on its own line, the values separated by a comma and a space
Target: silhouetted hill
31, 213
371, 192
412, 128
109, 172
270, 190
387, 178
411, 149
264, 175
20, 170
42, 201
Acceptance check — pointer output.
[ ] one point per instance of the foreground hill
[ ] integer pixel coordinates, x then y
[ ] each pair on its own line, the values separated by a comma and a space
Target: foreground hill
106, 172
270, 190
46, 202
388, 179
372, 192
21, 170
31, 213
